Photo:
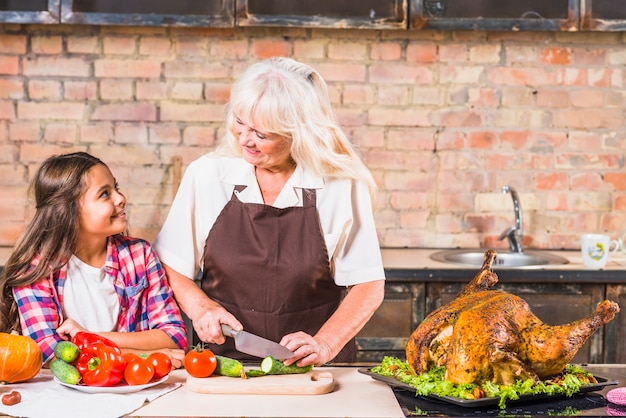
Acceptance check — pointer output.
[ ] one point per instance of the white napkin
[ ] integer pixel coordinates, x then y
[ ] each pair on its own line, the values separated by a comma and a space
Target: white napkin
45, 398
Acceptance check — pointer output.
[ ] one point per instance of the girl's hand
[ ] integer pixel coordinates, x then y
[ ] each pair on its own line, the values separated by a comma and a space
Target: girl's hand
177, 355
69, 328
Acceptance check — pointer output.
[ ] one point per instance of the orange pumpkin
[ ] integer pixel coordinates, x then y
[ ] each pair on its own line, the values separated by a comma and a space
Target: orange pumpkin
20, 358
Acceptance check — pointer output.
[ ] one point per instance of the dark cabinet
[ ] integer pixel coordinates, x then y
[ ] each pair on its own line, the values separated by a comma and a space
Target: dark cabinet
24, 5
388, 330
364, 14
214, 13
615, 335
603, 15
499, 15
553, 15
29, 11
411, 296
370, 14
540, 15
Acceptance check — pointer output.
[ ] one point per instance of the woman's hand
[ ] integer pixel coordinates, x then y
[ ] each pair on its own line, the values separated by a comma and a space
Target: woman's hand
307, 349
354, 311
208, 325
206, 314
69, 328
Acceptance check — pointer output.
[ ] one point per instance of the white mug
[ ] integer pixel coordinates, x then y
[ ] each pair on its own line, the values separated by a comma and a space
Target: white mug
596, 250
621, 240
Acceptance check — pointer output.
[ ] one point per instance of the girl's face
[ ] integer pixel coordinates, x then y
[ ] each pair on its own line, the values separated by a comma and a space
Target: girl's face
101, 207
263, 150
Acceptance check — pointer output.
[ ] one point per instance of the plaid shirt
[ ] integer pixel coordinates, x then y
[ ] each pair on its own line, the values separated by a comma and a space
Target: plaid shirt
146, 300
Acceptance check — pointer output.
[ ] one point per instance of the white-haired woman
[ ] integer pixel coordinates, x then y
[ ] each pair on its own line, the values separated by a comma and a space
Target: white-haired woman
279, 221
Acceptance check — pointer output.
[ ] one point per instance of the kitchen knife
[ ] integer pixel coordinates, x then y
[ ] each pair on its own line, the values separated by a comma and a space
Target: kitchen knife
255, 345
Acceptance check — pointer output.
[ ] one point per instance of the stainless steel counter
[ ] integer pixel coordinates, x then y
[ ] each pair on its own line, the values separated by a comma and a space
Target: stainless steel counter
416, 264
419, 258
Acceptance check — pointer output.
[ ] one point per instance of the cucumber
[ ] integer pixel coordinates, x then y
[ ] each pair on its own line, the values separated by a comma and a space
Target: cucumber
255, 373
270, 365
66, 351
229, 367
65, 372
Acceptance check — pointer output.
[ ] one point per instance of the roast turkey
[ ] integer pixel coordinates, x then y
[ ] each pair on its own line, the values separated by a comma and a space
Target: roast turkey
491, 335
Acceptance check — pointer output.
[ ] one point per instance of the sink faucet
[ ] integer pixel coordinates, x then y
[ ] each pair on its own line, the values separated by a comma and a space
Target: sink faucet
514, 233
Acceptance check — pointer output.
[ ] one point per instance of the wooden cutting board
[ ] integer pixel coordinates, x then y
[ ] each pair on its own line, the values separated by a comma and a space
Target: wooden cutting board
310, 383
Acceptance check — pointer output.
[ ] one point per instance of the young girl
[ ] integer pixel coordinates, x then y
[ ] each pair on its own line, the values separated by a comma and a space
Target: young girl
74, 269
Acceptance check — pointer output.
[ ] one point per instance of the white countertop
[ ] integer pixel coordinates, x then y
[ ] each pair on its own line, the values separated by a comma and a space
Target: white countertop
419, 258
355, 395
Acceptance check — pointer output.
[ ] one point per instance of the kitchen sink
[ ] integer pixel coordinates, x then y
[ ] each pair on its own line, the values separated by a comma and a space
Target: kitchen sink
504, 259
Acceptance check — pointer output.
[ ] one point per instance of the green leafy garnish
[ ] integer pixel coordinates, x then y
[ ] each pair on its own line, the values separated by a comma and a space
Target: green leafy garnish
434, 382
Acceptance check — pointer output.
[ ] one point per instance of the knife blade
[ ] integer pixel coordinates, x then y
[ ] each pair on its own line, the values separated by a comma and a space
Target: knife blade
256, 346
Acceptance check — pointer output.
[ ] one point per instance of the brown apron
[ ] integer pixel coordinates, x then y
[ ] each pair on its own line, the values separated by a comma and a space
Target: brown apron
269, 267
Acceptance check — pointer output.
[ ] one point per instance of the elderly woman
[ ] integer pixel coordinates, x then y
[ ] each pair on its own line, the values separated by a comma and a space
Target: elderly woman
279, 220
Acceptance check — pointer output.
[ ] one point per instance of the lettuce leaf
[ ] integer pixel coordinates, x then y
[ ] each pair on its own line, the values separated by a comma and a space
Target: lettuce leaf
433, 381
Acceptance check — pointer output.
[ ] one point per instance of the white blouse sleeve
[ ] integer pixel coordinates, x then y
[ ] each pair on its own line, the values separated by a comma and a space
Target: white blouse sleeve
351, 236
175, 243
200, 198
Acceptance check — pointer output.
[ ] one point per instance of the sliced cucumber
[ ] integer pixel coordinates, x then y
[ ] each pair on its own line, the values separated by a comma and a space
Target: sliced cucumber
255, 373
229, 367
270, 365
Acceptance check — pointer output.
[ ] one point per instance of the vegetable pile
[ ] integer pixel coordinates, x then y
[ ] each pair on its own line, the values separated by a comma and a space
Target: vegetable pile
433, 382
201, 362
97, 361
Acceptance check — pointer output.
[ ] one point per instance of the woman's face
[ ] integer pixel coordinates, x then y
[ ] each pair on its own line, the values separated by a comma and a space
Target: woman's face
263, 150
101, 208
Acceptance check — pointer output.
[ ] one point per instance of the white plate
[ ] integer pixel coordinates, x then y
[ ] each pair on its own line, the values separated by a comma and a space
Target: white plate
112, 389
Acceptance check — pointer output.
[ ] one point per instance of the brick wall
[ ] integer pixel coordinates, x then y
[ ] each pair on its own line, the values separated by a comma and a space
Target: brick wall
444, 120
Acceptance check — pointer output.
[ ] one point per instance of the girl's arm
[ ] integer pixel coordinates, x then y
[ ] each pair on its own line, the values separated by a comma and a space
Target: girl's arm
142, 342
150, 311
39, 312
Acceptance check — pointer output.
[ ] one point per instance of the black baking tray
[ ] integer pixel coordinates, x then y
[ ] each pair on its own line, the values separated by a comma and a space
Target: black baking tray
485, 402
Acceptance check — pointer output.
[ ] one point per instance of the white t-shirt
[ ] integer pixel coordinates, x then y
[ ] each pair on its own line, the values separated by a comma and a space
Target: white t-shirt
89, 297
344, 208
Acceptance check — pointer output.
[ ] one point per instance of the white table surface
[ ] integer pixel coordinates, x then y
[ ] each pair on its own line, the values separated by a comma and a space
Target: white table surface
355, 395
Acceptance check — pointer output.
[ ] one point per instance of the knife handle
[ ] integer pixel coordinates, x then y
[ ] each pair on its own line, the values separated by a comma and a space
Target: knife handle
228, 331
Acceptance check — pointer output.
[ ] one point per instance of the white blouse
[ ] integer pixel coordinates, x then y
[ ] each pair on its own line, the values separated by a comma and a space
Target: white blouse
344, 208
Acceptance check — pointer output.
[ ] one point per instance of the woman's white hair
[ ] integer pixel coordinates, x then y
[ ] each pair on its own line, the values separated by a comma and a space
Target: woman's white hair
284, 97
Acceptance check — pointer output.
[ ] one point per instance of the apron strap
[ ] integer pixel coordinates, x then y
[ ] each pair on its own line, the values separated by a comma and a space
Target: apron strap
308, 197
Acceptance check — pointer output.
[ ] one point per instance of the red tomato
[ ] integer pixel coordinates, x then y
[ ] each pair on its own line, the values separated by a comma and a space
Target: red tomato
138, 371
162, 364
200, 362
130, 357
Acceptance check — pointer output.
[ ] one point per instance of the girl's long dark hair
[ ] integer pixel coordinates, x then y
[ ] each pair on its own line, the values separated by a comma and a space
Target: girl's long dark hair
57, 188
